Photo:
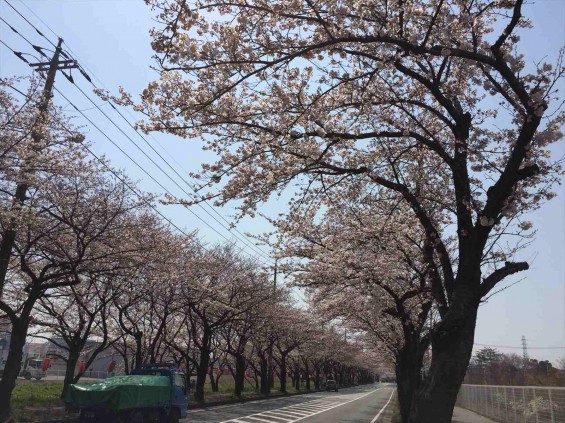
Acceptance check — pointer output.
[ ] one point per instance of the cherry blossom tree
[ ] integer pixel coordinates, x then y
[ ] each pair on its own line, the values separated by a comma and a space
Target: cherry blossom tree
367, 264
71, 316
431, 100
71, 227
32, 144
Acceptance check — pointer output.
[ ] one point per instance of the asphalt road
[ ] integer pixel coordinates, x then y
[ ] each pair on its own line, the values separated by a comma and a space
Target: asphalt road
351, 405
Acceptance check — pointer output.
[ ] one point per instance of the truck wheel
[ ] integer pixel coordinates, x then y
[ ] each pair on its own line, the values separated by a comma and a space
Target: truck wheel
174, 416
27, 375
137, 417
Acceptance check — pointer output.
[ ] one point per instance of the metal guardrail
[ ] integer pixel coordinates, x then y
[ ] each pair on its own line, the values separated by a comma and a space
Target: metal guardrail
515, 404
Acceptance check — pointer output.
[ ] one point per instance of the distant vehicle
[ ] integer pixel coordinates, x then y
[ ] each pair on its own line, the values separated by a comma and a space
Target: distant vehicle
33, 368
331, 385
154, 392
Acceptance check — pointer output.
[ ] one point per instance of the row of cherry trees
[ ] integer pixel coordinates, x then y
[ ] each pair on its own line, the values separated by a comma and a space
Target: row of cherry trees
88, 259
211, 312
413, 136
67, 224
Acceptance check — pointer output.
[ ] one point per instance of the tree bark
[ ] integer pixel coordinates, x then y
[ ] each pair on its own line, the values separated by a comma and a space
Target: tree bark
20, 327
72, 361
239, 375
282, 375
265, 382
452, 346
202, 370
213, 381
408, 368
138, 349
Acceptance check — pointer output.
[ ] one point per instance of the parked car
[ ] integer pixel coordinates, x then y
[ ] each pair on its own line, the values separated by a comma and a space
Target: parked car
331, 385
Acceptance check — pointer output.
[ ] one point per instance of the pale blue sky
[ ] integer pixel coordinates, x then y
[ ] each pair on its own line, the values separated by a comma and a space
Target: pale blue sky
110, 39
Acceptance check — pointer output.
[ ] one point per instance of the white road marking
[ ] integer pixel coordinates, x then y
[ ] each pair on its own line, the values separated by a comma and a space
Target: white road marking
276, 415
297, 412
383, 409
258, 419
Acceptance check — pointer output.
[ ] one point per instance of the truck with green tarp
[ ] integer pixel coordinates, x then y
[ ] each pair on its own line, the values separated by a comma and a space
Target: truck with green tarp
152, 393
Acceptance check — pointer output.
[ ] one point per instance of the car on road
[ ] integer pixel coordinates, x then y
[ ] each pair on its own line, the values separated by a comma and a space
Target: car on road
331, 385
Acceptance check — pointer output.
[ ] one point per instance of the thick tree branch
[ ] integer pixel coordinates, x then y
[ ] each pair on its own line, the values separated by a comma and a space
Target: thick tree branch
498, 275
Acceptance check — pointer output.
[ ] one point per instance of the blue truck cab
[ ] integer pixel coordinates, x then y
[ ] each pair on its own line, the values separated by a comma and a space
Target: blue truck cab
179, 385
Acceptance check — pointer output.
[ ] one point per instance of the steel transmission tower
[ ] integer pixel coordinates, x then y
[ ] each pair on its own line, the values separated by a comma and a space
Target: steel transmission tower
524, 348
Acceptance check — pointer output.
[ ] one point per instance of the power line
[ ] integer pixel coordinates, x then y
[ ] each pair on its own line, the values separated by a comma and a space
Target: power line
145, 154
36, 48
159, 167
135, 191
133, 160
32, 25
519, 347
244, 239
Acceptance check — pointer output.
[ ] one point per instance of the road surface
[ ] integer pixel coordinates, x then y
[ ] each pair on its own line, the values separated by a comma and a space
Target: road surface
363, 404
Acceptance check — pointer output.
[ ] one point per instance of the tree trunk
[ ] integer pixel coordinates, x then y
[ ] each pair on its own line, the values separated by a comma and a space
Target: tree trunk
213, 381
282, 375
217, 383
271, 368
13, 364
317, 378
72, 361
126, 363
20, 327
239, 375
408, 369
138, 355
452, 346
265, 382
202, 370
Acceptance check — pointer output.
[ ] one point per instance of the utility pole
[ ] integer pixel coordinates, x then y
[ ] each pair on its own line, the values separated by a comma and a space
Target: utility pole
22, 185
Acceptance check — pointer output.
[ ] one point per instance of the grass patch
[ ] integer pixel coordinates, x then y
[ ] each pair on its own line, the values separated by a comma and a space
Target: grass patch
35, 401
36, 393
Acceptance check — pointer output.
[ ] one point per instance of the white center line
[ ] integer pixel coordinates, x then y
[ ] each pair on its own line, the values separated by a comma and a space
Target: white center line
383, 409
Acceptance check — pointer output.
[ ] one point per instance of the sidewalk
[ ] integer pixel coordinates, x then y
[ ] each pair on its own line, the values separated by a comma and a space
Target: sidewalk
460, 415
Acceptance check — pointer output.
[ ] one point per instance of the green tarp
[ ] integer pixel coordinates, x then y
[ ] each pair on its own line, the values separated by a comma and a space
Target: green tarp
122, 392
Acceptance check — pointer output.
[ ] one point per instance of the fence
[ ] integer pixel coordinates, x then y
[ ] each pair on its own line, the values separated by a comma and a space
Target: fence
59, 374
515, 404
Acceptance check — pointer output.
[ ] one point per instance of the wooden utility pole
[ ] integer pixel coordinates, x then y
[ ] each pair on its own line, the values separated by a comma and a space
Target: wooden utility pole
22, 185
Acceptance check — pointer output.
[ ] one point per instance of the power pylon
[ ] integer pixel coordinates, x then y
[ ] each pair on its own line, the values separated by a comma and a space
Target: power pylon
524, 349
